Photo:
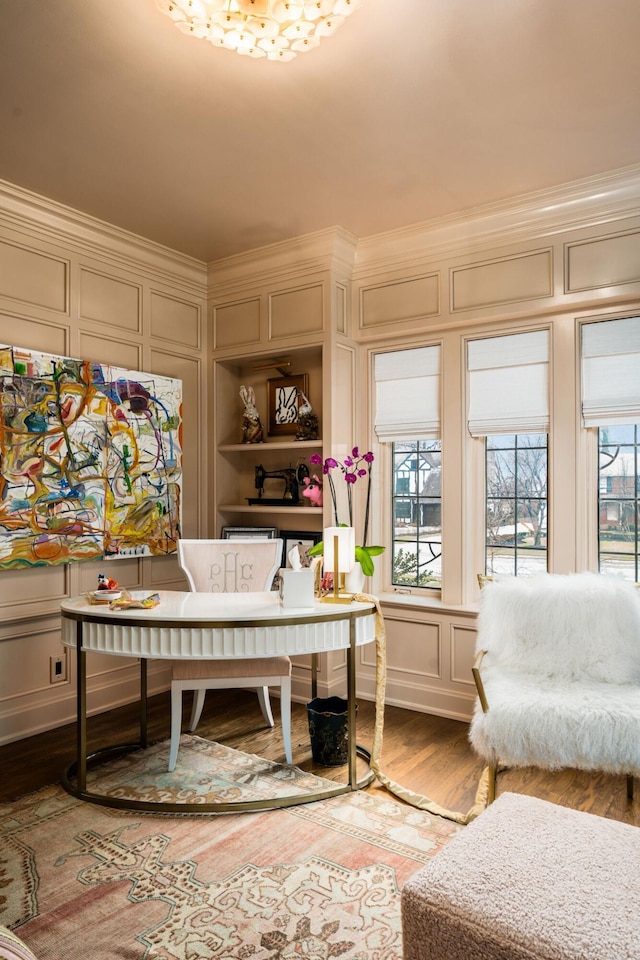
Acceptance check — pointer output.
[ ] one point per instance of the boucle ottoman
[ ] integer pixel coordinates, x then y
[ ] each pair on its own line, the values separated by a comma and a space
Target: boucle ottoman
528, 879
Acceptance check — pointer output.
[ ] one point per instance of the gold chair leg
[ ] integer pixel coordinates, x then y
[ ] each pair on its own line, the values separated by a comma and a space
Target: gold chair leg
629, 786
493, 774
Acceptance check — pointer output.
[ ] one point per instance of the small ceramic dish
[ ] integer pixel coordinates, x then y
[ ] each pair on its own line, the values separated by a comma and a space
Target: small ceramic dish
107, 595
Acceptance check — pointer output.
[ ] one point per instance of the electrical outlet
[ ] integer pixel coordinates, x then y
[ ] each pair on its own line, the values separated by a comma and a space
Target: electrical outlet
58, 669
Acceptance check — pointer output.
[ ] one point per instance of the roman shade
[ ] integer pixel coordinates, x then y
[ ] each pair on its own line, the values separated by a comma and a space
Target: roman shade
408, 394
509, 384
611, 372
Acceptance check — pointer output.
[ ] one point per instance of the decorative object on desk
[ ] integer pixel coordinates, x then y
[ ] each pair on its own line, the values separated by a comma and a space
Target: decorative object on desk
104, 596
307, 421
123, 599
108, 589
292, 477
249, 533
252, 431
90, 460
313, 490
283, 403
129, 602
339, 559
303, 540
296, 582
107, 583
354, 467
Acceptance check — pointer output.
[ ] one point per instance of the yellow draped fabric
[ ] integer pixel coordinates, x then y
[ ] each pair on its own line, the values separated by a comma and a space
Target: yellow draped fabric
415, 799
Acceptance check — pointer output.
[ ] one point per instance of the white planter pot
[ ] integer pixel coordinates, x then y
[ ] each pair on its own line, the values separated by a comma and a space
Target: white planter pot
354, 579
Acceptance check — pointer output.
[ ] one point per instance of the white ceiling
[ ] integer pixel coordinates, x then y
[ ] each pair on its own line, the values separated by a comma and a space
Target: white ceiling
413, 110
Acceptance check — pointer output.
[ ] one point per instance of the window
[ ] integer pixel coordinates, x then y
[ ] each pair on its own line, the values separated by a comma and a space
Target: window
619, 484
417, 513
509, 406
408, 418
611, 402
516, 504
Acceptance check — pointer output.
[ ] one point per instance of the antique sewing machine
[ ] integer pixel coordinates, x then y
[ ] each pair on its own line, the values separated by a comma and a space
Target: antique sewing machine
292, 478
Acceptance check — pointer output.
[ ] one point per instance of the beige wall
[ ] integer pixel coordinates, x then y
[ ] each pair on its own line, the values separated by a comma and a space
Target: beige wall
93, 294
551, 260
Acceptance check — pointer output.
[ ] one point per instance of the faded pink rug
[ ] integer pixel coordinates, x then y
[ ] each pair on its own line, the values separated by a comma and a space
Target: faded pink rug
321, 880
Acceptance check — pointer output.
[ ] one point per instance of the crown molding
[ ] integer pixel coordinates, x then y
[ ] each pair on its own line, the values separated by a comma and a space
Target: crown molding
600, 199
53, 222
333, 249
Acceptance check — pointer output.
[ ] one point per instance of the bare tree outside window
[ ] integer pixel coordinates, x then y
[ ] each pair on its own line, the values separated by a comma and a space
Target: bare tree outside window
618, 488
516, 504
417, 514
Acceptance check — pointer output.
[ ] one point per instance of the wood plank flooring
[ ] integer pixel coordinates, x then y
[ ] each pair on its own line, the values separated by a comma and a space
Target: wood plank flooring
426, 754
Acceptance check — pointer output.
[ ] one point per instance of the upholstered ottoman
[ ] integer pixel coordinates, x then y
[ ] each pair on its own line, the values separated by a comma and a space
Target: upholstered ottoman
528, 879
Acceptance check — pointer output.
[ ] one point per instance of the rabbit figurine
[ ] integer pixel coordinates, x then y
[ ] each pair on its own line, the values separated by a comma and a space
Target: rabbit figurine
307, 421
252, 431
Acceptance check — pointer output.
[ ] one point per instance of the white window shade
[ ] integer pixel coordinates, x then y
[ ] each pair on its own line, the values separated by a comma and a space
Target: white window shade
408, 394
611, 372
509, 384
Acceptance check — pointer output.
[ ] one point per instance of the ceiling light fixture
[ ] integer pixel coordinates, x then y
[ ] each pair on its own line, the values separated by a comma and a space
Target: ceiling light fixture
275, 29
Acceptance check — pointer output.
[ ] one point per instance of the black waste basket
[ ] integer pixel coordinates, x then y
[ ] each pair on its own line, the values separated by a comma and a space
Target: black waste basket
328, 730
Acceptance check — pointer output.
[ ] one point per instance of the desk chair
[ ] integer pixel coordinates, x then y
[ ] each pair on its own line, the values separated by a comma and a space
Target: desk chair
230, 566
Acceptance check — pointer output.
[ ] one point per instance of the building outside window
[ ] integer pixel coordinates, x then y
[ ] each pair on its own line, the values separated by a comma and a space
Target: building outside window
417, 514
618, 487
516, 504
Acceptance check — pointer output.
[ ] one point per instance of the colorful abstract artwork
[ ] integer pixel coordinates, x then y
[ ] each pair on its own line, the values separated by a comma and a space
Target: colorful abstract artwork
90, 460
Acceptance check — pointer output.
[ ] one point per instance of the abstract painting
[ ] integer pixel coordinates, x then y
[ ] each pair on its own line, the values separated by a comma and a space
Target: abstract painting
90, 460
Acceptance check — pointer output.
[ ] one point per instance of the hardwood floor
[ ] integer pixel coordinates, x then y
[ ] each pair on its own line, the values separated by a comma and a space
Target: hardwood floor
426, 754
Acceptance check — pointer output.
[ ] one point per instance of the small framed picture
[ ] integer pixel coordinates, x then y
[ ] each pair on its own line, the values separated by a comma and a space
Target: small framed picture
249, 533
304, 539
284, 395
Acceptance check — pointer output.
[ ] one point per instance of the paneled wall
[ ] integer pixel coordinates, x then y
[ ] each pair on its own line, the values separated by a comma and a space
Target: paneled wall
551, 260
74, 286
79, 288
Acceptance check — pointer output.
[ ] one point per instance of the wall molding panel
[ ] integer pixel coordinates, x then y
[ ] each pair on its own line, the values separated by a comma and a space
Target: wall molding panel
527, 276
72, 286
39, 218
398, 301
605, 262
110, 301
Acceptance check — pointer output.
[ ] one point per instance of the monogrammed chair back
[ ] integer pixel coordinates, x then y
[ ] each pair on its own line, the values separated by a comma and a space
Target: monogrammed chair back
230, 566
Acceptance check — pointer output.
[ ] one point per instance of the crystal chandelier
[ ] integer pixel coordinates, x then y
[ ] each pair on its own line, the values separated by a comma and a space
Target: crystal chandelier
275, 29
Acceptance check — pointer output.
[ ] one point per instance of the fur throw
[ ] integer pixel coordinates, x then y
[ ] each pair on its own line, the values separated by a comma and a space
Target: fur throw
561, 674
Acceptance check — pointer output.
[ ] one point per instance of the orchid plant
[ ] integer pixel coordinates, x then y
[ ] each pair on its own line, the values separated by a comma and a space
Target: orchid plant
352, 468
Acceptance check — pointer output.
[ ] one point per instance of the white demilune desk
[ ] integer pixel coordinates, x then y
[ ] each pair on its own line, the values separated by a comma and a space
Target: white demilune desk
210, 626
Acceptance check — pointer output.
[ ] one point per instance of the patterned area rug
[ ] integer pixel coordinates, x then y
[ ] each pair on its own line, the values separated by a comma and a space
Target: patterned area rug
321, 880
205, 772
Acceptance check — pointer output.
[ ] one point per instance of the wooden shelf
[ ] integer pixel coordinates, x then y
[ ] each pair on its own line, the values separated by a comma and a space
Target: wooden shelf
269, 445
250, 508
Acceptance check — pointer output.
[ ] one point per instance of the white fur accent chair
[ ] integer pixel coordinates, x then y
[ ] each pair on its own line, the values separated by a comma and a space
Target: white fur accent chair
558, 675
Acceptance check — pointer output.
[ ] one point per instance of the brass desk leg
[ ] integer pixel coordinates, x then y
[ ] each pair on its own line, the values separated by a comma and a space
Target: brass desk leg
143, 703
81, 727
314, 675
351, 704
